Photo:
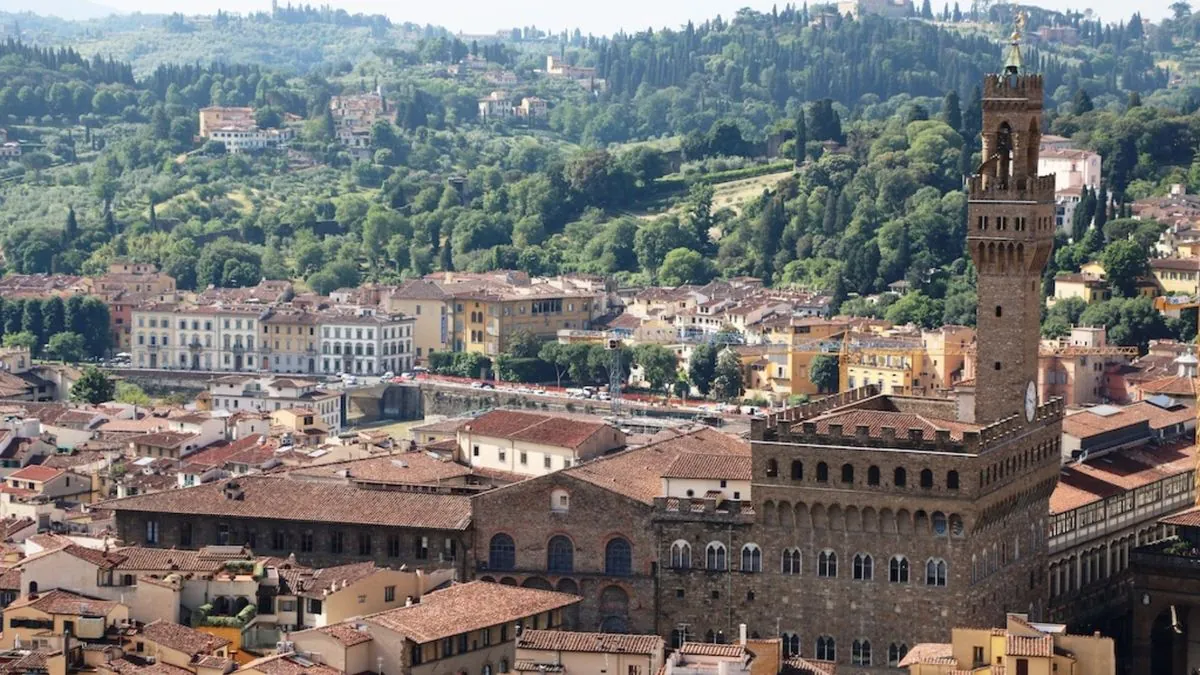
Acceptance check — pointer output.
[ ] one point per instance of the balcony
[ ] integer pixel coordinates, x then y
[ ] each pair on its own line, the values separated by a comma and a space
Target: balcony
1172, 554
239, 348
195, 346
153, 347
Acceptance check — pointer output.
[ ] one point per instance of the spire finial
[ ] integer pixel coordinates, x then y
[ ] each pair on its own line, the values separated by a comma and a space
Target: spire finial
1014, 62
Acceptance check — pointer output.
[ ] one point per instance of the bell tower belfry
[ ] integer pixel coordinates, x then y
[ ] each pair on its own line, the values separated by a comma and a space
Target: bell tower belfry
1010, 235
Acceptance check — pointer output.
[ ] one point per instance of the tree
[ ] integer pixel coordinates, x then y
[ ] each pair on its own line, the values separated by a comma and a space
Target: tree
1130, 321
54, 319
800, 137
916, 308
1081, 104
703, 368
523, 344
32, 322
65, 346
71, 229
659, 365
952, 111
1180, 10
23, 339
727, 379
128, 392
93, 387
685, 266
824, 374
557, 355
1124, 263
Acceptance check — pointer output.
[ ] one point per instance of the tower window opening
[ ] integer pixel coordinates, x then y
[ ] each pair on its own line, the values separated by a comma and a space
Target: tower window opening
997, 365
999, 311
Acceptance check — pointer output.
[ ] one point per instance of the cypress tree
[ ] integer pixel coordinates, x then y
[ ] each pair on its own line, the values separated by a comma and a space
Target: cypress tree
952, 111
71, 230
801, 136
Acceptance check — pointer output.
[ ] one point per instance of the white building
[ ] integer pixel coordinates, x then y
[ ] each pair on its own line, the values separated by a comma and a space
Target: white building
533, 444
174, 337
237, 393
1071, 168
363, 342
719, 476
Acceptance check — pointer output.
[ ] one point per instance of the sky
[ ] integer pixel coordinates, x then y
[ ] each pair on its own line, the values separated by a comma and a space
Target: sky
608, 16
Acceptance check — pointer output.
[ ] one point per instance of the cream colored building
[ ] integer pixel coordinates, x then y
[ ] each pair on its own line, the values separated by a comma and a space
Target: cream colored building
554, 651
533, 444
41, 620
464, 628
314, 598
1022, 648
1177, 276
1071, 168
432, 311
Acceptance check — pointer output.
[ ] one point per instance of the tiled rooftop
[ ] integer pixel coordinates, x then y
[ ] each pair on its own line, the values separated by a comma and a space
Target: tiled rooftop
182, 638
1086, 482
605, 643
563, 432
287, 499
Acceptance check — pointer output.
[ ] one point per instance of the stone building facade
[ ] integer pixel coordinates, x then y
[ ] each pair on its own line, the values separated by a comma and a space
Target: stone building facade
878, 522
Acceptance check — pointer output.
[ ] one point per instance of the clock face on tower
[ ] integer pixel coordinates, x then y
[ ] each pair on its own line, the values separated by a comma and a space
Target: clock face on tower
1030, 401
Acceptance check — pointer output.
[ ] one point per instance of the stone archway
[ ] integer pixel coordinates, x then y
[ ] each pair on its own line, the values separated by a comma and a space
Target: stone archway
570, 614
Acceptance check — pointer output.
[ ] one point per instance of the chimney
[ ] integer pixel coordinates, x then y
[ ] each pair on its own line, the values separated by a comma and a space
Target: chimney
408, 601
742, 634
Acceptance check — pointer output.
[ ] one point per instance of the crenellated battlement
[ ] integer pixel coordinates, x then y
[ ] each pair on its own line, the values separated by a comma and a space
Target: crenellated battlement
759, 426
1026, 86
989, 188
703, 508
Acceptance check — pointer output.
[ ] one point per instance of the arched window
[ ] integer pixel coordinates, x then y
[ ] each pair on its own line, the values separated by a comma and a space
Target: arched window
951, 480
860, 653
502, 553
791, 561
926, 478
790, 643
898, 570
864, 567
710, 637
939, 524
826, 649
873, 475
847, 473
822, 472
560, 500
681, 555
560, 555
827, 564
618, 558
772, 468
956, 525
935, 572
900, 477
751, 558
714, 556
896, 653
797, 470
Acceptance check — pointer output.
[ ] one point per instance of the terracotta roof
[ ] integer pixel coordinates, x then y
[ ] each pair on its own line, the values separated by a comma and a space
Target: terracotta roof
463, 608
876, 420
1187, 264
282, 498
1171, 385
607, 643
736, 651
182, 638
346, 634
288, 664
929, 653
637, 474
1087, 423
37, 473
698, 465
143, 559
446, 426
535, 667
129, 665
10, 579
65, 602
801, 666
1029, 646
1188, 518
1086, 482
407, 468
560, 432
315, 582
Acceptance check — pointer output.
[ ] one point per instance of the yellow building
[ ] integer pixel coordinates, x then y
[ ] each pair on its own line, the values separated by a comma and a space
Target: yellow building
178, 645
1086, 287
1177, 276
1021, 648
431, 307
485, 320
40, 620
290, 341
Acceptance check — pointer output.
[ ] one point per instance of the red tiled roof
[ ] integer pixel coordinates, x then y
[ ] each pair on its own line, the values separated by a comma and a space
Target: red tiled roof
182, 638
560, 432
929, 653
1171, 385
715, 467
1189, 518
876, 420
65, 602
1086, 482
346, 634
286, 664
282, 498
605, 643
1087, 423
710, 649
406, 468
1029, 646
463, 608
637, 474
37, 473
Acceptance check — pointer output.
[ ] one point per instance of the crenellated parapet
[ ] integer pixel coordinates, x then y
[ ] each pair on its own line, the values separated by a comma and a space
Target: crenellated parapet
998, 88
1038, 189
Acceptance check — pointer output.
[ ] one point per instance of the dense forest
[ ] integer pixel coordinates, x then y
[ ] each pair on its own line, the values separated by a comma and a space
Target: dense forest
870, 124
